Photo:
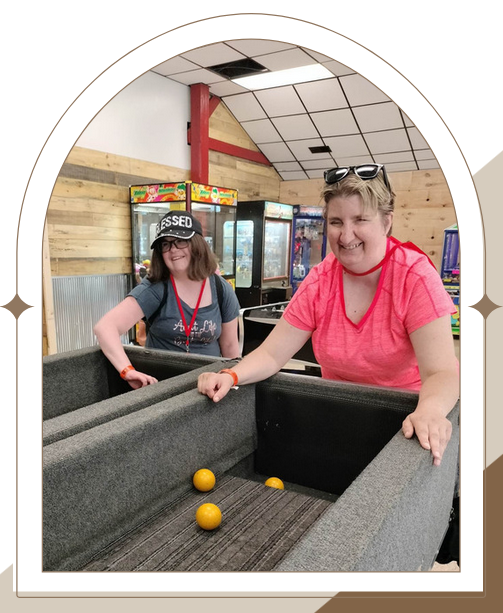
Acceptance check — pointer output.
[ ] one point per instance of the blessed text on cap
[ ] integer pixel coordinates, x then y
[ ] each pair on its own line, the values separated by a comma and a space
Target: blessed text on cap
178, 220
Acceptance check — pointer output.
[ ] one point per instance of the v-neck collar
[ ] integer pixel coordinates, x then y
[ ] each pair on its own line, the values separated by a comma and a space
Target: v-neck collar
201, 308
369, 311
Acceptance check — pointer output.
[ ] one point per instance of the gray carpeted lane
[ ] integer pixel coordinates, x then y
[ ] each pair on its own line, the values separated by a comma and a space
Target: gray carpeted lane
259, 527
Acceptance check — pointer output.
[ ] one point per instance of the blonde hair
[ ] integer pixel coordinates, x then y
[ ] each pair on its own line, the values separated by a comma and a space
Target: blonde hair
374, 194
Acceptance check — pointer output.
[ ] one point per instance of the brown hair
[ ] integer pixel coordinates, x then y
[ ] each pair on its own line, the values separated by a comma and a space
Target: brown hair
203, 262
373, 192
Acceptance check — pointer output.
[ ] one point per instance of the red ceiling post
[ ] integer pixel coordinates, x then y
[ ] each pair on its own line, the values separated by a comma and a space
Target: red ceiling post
199, 132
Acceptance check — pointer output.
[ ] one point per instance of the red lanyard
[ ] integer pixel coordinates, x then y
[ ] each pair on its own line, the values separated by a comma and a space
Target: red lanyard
189, 328
397, 244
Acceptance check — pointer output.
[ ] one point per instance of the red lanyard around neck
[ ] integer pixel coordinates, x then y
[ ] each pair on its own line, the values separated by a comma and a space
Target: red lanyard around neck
407, 245
188, 328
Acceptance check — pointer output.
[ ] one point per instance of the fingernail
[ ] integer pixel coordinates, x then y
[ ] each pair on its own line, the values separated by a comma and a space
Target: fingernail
216, 398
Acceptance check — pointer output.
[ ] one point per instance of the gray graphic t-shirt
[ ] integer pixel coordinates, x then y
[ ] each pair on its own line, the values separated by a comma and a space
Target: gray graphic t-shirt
168, 332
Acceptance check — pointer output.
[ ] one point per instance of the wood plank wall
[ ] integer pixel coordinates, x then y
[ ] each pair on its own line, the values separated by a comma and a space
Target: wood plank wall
88, 222
88, 218
253, 181
423, 206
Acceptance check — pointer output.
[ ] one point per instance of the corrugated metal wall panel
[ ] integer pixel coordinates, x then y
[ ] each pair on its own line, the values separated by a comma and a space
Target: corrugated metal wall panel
79, 303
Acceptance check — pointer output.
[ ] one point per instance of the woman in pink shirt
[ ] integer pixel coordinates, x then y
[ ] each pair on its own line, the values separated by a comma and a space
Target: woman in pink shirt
376, 310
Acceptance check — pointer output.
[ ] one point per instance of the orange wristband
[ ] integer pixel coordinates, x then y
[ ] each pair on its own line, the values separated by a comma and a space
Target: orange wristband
231, 373
125, 370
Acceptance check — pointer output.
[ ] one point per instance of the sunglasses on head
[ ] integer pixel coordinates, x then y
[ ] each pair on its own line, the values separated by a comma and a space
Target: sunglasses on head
364, 171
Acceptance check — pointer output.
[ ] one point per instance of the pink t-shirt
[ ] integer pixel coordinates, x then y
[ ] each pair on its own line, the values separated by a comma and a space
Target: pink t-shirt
377, 350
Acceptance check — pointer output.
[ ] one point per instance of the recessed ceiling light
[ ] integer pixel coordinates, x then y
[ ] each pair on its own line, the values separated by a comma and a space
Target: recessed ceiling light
302, 74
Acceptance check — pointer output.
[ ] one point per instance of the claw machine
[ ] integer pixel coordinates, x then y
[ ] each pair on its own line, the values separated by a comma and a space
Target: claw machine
309, 242
215, 207
263, 243
450, 271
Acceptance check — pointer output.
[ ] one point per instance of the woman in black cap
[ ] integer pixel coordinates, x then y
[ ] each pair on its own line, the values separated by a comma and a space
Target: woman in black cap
188, 306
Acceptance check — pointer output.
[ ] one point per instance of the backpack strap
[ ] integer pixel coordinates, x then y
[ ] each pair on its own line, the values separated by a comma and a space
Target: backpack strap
220, 296
150, 320
220, 290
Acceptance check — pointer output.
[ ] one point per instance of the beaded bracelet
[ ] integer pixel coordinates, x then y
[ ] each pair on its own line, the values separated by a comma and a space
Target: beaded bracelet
231, 373
126, 370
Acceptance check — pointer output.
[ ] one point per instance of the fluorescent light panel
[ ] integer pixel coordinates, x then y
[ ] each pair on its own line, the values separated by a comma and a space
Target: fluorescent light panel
302, 74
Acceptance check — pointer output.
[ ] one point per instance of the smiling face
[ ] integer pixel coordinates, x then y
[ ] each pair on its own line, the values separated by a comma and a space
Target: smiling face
177, 260
357, 236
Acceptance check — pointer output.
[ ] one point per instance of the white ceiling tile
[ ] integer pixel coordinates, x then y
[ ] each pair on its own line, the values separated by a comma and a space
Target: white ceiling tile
300, 149
347, 146
226, 88
335, 123
386, 142
355, 160
376, 117
261, 131
277, 152
390, 158
176, 64
360, 91
197, 76
317, 56
322, 95
244, 107
400, 167
424, 154
338, 69
295, 127
293, 176
211, 55
287, 166
428, 164
292, 58
280, 101
253, 47
416, 139
322, 163
315, 174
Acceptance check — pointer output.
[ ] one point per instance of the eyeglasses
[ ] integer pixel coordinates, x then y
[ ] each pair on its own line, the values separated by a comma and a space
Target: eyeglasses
180, 243
364, 171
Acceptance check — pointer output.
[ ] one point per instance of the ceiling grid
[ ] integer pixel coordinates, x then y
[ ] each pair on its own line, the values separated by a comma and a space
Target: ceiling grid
344, 112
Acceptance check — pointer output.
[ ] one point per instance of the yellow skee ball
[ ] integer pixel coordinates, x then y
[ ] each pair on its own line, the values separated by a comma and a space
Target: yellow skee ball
208, 516
275, 482
203, 480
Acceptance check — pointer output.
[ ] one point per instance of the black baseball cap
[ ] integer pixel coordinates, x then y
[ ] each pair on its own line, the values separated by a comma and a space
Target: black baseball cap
178, 224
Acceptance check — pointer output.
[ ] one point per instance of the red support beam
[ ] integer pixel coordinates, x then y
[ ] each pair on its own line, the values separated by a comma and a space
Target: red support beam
199, 132
238, 152
201, 108
214, 102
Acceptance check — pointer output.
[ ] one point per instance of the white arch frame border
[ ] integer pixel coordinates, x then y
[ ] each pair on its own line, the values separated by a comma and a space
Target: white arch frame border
406, 96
